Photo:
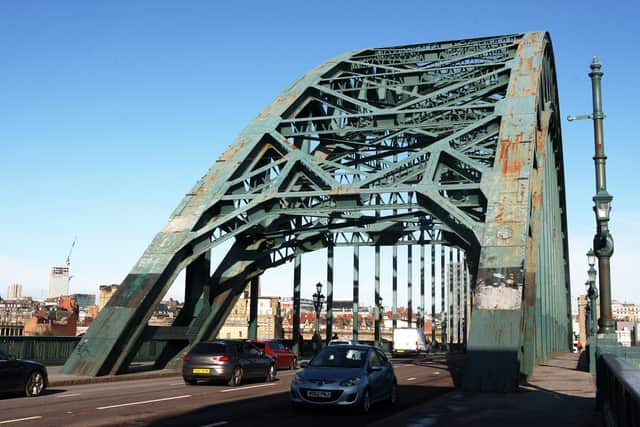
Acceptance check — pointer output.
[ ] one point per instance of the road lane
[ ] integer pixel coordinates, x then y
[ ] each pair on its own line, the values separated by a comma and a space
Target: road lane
158, 401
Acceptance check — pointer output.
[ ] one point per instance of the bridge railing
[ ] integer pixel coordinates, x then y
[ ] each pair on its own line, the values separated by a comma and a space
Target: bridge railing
53, 351
618, 395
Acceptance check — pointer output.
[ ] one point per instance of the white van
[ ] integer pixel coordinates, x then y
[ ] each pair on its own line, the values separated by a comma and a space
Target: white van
409, 342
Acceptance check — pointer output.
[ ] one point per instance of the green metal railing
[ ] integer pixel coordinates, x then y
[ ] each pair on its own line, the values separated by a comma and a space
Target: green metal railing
56, 350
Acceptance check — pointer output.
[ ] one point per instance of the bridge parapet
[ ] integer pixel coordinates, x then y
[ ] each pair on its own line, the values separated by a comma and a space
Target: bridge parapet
618, 394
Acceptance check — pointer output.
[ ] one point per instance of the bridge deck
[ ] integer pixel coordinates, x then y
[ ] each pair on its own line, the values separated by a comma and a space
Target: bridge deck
557, 395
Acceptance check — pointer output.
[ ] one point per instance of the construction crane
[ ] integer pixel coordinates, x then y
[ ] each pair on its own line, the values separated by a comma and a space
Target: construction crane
68, 261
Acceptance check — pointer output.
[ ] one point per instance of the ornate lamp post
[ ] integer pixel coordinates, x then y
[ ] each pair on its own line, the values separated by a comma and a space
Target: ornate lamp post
318, 300
603, 240
592, 293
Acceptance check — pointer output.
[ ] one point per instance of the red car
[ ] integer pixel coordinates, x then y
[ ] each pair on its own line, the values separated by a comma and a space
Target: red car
285, 358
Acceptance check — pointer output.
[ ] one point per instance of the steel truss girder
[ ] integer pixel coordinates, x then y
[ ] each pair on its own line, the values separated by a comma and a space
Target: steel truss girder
389, 146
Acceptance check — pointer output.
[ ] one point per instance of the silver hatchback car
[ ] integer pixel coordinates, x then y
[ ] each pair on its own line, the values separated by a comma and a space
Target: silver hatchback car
345, 376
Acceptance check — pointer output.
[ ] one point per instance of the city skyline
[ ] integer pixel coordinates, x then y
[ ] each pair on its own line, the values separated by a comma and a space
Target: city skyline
108, 122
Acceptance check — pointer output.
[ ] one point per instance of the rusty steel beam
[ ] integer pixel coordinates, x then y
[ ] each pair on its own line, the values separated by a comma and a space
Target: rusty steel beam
452, 143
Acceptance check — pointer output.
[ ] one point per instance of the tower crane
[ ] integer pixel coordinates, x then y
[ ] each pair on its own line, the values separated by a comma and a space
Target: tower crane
68, 261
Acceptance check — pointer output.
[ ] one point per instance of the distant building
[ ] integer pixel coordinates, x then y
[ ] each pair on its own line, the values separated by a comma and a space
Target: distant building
58, 317
625, 311
106, 292
84, 300
269, 320
14, 291
58, 282
14, 314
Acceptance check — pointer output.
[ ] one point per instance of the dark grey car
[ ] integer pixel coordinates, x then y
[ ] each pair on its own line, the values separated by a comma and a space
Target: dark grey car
230, 361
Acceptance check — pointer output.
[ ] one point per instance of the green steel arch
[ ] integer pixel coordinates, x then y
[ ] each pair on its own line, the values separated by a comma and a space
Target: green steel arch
455, 142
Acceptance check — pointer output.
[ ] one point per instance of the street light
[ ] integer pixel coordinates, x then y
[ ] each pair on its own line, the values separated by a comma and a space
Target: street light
603, 240
318, 300
592, 308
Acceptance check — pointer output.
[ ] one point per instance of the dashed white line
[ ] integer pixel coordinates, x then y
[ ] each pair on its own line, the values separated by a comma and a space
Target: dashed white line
248, 387
20, 419
219, 423
143, 402
411, 379
68, 395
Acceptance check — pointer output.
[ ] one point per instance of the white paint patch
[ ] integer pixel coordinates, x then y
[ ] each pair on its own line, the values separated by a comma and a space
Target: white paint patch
20, 419
144, 402
411, 379
246, 388
68, 395
436, 373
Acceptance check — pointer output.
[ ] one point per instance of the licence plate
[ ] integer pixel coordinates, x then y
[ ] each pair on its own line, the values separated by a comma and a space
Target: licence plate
400, 351
201, 371
315, 393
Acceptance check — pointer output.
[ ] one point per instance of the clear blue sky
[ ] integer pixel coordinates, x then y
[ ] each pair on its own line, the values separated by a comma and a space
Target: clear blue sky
110, 112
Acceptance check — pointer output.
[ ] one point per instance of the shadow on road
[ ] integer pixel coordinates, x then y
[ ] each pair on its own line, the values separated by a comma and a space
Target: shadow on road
275, 410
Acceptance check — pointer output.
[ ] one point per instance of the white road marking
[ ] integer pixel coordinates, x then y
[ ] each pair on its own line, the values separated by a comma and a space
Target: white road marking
436, 373
248, 387
20, 419
219, 423
411, 379
180, 383
68, 395
144, 402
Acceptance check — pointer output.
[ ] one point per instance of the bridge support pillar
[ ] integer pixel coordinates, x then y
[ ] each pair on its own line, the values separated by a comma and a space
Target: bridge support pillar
253, 308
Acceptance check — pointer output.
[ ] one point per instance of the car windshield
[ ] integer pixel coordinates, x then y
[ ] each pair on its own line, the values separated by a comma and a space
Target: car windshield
339, 357
260, 345
209, 348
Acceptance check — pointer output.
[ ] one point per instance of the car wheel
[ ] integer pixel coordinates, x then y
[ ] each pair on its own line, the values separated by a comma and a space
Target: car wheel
294, 363
271, 373
35, 384
236, 377
365, 402
393, 397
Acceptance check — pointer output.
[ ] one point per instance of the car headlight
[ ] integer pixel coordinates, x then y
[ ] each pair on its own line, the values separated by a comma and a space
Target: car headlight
351, 381
298, 379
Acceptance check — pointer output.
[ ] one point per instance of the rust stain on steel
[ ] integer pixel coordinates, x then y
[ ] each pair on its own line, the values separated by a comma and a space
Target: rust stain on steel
510, 160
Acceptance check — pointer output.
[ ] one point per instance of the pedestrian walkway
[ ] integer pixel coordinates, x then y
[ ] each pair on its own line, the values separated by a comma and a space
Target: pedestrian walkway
557, 394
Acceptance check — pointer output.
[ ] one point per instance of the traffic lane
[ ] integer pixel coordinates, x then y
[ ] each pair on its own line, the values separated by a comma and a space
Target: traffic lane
416, 385
101, 404
140, 399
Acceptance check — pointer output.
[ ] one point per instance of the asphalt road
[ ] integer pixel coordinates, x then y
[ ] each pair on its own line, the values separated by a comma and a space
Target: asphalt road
169, 402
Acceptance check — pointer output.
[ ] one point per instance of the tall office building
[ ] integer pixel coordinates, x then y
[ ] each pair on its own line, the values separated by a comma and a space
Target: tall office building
14, 291
58, 282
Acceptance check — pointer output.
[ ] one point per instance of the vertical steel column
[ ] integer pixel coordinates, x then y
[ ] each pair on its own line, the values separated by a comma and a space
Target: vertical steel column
458, 297
356, 290
451, 296
465, 324
254, 294
409, 284
433, 292
394, 309
330, 290
422, 302
443, 307
296, 304
378, 303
